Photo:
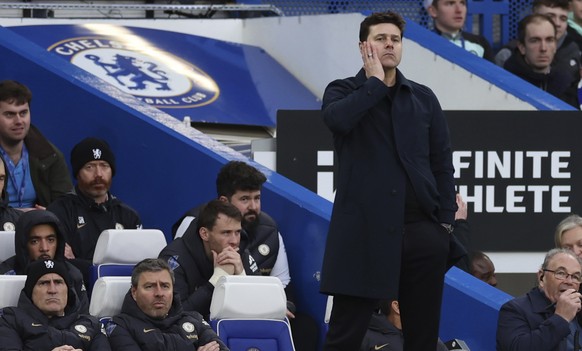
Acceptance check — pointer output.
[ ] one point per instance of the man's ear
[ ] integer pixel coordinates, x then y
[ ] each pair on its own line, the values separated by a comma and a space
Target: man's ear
540, 277
432, 11
521, 48
203, 232
223, 198
133, 289
395, 306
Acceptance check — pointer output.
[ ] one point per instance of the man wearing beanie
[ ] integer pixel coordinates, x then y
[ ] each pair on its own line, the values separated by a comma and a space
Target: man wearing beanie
47, 316
36, 170
39, 236
91, 208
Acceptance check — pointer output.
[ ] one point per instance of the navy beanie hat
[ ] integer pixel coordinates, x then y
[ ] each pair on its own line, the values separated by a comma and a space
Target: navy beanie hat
36, 269
91, 149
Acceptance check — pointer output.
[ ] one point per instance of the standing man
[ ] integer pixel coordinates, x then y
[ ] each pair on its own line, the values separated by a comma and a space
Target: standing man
395, 203
90, 208
48, 315
36, 170
544, 319
449, 20
152, 318
200, 257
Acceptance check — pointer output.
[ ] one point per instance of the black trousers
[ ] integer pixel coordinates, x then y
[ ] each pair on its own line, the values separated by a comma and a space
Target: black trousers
425, 250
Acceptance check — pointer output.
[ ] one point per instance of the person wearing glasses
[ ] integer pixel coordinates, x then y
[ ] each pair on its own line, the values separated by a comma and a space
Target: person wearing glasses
544, 319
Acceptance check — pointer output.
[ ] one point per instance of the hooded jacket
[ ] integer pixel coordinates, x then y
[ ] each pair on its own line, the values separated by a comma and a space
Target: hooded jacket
133, 330
8, 215
557, 82
16, 265
26, 328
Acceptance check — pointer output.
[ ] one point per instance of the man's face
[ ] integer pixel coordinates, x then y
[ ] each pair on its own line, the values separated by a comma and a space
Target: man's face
14, 122
483, 269
576, 8
572, 239
50, 295
449, 15
42, 242
154, 293
226, 232
554, 287
2, 175
386, 38
94, 180
558, 15
248, 203
539, 47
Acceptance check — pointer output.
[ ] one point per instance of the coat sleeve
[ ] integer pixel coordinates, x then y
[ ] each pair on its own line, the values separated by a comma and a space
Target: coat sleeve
514, 332
206, 334
345, 103
100, 343
120, 338
9, 338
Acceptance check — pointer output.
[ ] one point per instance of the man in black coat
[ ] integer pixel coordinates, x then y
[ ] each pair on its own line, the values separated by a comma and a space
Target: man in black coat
389, 235
200, 257
152, 318
48, 315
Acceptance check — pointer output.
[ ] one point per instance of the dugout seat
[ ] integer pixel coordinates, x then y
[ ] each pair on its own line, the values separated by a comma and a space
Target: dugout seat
107, 297
10, 288
248, 313
6, 245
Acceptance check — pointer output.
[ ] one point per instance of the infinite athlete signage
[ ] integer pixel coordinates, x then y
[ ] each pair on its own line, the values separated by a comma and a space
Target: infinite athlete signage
520, 172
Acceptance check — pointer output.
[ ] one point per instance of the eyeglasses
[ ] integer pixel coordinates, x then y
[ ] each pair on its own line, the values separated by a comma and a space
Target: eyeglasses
563, 275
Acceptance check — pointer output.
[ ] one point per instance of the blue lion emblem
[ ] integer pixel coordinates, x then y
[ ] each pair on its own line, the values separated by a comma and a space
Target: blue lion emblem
126, 66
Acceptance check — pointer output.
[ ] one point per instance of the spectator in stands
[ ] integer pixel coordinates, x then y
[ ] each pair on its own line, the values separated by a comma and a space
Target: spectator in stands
449, 20
39, 236
48, 315
533, 57
199, 258
152, 318
240, 184
91, 208
36, 169
8, 215
482, 267
395, 203
385, 330
544, 318
575, 22
568, 234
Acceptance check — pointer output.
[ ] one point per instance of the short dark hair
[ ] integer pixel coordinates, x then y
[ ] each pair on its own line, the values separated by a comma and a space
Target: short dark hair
381, 17
562, 4
533, 18
209, 213
236, 176
150, 265
13, 91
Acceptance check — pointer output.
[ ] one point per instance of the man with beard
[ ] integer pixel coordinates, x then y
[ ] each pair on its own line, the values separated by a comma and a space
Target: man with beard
240, 184
91, 208
206, 253
152, 318
39, 236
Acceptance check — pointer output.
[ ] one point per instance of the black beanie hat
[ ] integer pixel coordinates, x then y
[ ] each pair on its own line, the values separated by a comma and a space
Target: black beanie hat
36, 269
91, 149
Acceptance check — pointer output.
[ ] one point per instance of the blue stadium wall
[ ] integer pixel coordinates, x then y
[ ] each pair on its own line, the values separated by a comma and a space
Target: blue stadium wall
162, 173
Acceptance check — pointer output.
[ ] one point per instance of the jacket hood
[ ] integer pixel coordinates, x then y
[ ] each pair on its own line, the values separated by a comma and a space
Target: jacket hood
131, 308
23, 227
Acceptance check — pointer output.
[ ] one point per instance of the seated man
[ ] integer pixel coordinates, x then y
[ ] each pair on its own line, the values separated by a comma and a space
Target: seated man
8, 215
533, 57
544, 319
385, 330
36, 169
199, 258
47, 316
91, 208
449, 20
39, 236
482, 267
152, 318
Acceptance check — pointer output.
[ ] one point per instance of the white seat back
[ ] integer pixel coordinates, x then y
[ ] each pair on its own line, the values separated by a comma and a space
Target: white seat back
6, 245
107, 296
10, 288
328, 308
128, 246
248, 297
